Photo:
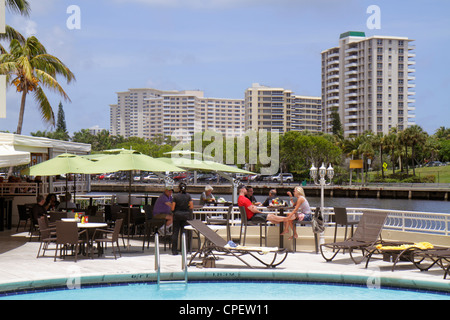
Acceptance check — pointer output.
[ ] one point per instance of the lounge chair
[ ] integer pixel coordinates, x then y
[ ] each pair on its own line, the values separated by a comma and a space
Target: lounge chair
214, 242
439, 256
402, 251
367, 235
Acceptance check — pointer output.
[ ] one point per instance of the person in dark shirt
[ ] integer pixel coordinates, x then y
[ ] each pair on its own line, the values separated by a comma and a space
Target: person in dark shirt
38, 209
251, 197
182, 206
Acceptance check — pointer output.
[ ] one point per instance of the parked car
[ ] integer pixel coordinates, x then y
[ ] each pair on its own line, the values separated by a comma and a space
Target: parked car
150, 178
436, 164
287, 177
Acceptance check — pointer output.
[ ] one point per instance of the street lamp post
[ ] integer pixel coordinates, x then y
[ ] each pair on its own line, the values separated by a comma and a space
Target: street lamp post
323, 173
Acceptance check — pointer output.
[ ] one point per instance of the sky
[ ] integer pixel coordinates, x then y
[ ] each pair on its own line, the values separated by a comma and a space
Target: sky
220, 47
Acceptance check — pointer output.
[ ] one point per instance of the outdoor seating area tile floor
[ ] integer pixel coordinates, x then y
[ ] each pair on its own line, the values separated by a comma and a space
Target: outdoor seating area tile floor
18, 263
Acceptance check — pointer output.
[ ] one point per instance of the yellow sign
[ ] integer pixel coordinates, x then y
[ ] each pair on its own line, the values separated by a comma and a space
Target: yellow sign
356, 164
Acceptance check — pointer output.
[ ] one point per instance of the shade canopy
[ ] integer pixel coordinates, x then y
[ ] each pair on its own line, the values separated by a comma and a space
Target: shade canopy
206, 165
63, 164
11, 157
129, 161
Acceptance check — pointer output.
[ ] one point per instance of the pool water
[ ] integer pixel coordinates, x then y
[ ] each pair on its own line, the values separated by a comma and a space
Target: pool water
230, 291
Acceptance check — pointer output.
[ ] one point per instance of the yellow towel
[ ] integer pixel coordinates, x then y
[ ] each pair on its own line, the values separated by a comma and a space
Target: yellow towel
419, 245
263, 250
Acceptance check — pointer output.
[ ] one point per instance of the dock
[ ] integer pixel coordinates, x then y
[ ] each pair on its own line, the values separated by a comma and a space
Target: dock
379, 191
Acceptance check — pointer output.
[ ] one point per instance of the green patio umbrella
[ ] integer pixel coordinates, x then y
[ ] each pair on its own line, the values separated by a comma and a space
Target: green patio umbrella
65, 163
129, 160
189, 164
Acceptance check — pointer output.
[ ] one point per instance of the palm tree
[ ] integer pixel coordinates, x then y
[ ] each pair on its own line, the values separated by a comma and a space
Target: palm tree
19, 6
417, 139
379, 142
30, 69
392, 144
405, 140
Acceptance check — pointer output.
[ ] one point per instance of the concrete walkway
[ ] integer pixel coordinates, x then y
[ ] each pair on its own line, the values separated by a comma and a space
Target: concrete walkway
19, 268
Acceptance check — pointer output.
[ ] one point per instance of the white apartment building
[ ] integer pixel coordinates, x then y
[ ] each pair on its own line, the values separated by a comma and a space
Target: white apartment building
369, 81
279, 109
268, 108
306, 114
149, 113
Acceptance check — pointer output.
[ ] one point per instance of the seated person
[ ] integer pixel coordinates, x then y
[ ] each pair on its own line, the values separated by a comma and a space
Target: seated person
251, 197
38, 210
51, 203
272, 195
66, 204
252, 212
207, 196
301, 212
163, 207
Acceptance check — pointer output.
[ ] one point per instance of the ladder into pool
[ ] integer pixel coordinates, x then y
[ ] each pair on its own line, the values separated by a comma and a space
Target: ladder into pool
183, 262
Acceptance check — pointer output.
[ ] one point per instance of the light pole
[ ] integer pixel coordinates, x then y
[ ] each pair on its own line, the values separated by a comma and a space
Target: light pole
323, 173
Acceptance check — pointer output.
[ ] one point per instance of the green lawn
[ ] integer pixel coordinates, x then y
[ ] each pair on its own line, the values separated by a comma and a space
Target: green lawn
442, 174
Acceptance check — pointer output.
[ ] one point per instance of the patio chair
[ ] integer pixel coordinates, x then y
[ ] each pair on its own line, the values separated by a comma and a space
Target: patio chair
101, 237
367, 235
341, 218
152, 225
67, 234
245, 223
215, 243
438, 256
47, 235
24, 215
222, 221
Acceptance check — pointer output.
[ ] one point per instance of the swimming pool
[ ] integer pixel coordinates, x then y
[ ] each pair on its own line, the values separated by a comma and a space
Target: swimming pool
230, 290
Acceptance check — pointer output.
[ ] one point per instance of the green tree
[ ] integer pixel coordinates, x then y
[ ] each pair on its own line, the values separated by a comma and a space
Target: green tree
30, 69
336, 124
61, 128
415, 137
19, 6
379, 142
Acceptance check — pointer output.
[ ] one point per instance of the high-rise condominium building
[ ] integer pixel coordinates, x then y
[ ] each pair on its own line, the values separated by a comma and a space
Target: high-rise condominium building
149, 113
279, 109
369, 82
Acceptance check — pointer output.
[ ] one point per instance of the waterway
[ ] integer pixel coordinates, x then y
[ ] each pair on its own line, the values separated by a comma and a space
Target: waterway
436, 206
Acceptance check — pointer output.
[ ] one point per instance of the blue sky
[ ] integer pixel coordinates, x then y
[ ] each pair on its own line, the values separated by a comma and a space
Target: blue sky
220, 47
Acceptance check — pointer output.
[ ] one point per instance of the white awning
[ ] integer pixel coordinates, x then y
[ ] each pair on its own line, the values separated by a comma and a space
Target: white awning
11, 157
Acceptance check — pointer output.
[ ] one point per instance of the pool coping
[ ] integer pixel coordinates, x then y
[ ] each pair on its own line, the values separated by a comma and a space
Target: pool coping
373, 280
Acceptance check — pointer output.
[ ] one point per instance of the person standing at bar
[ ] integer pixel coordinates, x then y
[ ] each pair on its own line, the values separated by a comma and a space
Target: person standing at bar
182, 206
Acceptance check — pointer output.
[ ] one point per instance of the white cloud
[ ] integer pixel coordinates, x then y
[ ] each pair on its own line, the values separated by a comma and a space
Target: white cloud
25, 26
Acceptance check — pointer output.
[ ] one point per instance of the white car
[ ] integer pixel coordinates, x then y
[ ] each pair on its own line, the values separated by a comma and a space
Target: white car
287, 177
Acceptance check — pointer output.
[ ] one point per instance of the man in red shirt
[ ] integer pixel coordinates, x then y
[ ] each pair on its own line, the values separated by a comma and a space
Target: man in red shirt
253, 214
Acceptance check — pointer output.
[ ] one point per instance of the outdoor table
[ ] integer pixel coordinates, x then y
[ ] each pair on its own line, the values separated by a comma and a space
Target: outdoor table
90, 227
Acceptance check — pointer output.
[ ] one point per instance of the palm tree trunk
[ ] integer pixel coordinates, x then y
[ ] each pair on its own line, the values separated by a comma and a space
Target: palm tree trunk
22, 111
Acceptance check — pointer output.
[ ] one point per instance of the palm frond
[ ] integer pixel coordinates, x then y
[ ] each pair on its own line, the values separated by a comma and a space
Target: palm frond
44, 106
19, 6
49, 82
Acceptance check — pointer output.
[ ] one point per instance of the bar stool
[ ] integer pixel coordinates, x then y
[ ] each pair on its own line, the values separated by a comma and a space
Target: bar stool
245, 223
341, 218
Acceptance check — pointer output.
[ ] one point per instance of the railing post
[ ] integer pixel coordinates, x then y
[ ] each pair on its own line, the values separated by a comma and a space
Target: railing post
157, 262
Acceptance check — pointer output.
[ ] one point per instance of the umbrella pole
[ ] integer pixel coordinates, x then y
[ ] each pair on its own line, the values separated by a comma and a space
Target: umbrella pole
129, 209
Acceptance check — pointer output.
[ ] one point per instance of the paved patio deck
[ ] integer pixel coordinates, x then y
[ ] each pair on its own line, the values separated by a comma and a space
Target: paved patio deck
19, 268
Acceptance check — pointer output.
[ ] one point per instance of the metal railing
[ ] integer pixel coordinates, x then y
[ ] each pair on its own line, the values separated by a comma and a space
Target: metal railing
400, 220
184, 265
